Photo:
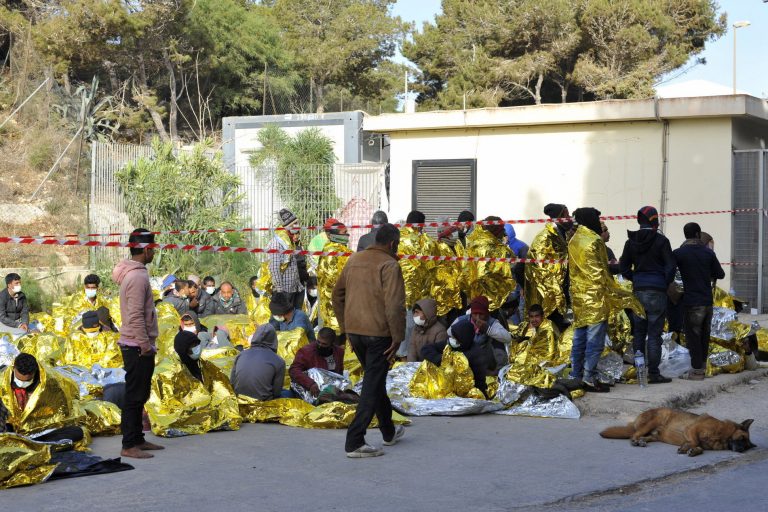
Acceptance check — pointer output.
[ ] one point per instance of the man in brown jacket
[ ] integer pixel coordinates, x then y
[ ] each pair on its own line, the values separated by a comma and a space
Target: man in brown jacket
138, 333
428, 329
369, 302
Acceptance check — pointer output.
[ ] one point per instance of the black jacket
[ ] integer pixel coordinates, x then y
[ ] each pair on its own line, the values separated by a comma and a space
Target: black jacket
698, 266
367, 240
647, 260
14, 311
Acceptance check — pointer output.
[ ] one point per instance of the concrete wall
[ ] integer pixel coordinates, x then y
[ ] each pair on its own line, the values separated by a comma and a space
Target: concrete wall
615, 167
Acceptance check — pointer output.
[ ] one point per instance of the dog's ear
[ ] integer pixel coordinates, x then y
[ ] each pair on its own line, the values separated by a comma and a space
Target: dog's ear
745, 424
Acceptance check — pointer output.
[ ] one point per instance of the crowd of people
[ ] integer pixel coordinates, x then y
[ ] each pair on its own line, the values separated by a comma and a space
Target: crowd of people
381, 307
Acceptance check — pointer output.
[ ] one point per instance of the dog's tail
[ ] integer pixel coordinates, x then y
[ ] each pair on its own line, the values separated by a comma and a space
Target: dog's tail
619, 432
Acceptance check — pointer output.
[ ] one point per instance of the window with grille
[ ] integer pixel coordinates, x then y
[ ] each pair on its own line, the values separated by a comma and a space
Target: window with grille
444, 188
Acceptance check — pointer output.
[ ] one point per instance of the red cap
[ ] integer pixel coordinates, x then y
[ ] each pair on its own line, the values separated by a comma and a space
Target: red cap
330, 223
479, 305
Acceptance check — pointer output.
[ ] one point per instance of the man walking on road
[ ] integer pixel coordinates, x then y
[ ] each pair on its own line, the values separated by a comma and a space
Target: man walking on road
369, 302
698, 266
137, 342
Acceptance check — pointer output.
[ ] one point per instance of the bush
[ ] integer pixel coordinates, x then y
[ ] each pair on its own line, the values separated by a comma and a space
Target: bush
41, 155
56, 205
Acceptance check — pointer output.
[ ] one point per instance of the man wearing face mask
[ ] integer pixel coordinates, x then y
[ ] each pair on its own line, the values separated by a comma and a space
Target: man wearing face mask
329, 269
14, 308
369, 301
137, 341
228, 301
324, 353
490, 335
284, 268
189, 346
178, 297
461, 339
428, 329
209, 286
93, 343
201, 303
286, 317
464, 231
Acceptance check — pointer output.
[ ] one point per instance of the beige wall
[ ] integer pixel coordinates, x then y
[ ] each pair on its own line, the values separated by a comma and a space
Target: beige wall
615, 167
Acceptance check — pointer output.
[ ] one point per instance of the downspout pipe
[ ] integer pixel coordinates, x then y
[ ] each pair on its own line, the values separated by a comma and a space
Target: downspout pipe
664, 163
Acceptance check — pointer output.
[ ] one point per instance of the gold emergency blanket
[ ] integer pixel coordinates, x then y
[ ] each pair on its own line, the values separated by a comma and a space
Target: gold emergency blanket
416, 274
69, 311
762, 339
285, 260
48, 348
179, 404
594, 292
101, 418
328, 271
453, 378
294, 412
47, 323
53, 404
492, 279
114, 311
222, 357
82, 350
168, 322
240, 327
288, 343
446, 281
544, 282
530, 357
723, 299
619, 331
23, 461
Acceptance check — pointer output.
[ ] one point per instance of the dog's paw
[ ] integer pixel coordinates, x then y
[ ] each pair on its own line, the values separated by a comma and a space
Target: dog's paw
695, 451
638, 442
682, 450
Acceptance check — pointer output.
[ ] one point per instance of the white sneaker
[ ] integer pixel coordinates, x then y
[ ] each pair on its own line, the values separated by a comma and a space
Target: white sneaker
399, 433
365, 451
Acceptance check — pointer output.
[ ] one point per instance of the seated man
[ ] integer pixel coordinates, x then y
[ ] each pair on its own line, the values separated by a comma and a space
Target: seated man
37, 404
286, 317
177, 297
228, 302
14, 308
490, 335
209, 286
323, 353
537, 342
93, 343
200, 302
427, 329
462, 338
258, 371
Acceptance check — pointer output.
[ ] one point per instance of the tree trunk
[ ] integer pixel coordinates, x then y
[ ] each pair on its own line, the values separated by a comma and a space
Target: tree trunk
539, 82
563, 92
157, 119
173, 112
319, 97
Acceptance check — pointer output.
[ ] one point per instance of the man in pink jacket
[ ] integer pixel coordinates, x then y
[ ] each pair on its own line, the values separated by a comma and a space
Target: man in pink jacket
137, 342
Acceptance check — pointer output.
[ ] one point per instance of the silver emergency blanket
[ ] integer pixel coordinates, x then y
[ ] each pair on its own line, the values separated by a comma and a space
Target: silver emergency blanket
558, 407
610, 368
721, 323
8, 351
725, 358
509, 392
323, 378
398, 381
91, 381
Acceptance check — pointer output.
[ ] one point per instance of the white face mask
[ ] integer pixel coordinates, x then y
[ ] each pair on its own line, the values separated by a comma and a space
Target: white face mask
210, 289
17, 288
196, 351
91, 293
312, 292
419, 321
92, 334
23, 384
454, 343
279, 318
190, 328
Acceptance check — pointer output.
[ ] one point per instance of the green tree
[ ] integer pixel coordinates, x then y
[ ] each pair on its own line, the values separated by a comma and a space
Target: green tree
303, 171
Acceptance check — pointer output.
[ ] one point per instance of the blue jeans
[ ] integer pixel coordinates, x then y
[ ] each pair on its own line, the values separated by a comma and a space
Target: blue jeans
655, 305
588, 343
288, 393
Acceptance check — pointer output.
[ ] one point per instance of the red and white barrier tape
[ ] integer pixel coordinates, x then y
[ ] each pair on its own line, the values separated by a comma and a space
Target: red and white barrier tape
417, 225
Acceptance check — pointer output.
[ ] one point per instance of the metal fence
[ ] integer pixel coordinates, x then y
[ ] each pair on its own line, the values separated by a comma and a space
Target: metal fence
349, 192
749, 236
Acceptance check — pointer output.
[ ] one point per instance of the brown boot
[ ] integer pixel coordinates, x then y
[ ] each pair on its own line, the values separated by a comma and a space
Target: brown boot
146, 445
135, 453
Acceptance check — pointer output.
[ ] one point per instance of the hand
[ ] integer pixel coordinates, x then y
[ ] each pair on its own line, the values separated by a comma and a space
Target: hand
314, 390
482, 325
24, 327
146, 350
391, 352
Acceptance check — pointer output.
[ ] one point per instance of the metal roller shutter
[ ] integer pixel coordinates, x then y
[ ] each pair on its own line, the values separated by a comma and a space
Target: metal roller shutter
443, 188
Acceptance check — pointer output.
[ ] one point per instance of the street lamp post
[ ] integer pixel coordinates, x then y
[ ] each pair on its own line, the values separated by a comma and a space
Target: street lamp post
736, 26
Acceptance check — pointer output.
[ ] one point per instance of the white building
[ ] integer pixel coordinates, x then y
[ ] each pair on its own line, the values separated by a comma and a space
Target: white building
678, 154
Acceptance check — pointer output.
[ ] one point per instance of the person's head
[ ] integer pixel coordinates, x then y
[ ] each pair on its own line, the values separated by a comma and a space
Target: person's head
692, 231
707, 240
226, 290
312, 286
416, 217
478, 308
209, 284
589, 218
559, 211
265, 337
535, 315
462, 336
25, 369
188, 346
326, 341
188, 323
143, 255
494, 226
419, 317
388, 237
465, 216
281, 307
252, 282
192, 288
379, 218
605, 234
648, 217
181, 289
91, 325
290, 222
194, 278
91, 284
13, 282
336, 231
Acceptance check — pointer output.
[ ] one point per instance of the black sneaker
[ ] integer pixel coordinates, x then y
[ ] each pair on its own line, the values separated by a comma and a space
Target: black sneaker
596, 387
658, 379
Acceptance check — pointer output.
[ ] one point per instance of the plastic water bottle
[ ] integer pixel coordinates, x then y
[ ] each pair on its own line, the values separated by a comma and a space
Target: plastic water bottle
642, 370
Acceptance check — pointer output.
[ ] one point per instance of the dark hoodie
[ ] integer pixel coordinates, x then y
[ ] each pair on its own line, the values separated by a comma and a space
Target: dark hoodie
647, 260
464, 333
431, 332
184, 341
